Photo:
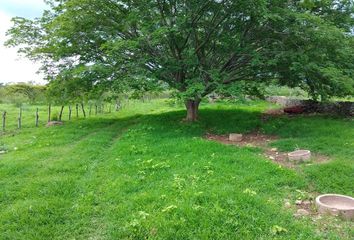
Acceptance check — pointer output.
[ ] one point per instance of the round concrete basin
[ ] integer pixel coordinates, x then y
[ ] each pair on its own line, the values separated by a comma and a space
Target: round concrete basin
299, 155
335, 204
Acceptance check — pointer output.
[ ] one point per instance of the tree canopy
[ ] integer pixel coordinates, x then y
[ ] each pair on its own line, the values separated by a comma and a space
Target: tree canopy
22, 92
195, 46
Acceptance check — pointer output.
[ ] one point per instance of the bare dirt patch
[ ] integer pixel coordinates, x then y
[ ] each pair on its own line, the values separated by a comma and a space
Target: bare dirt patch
274, 112
257, 139
251, 139
54, 123
303, 208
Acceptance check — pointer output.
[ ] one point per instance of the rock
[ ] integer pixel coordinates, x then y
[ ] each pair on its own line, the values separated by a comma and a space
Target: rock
2, 152
271, 158
274, 149
301, 213
235, 137
54, 123
306, 202
299, 155
287, 204
298, 202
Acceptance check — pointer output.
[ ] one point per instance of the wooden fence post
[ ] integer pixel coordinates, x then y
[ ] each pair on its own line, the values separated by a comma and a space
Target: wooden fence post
4, 121
96, 109
37, 117
19, 125
49, 112
69, 112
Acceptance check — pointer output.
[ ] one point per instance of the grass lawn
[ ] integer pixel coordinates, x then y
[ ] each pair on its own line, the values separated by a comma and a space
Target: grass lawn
142, 173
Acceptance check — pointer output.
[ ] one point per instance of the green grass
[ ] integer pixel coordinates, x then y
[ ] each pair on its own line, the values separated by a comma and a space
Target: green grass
143, 173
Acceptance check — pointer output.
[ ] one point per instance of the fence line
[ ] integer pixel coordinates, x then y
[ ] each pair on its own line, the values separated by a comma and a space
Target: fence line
20, 119
4, 121
37, 117
99, 108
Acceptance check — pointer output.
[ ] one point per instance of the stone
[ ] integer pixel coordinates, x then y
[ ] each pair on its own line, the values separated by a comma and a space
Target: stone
235, 137
301, 213
274, 149
298, 202
287, 204
299, 155
54, 123
306, 202
2, 152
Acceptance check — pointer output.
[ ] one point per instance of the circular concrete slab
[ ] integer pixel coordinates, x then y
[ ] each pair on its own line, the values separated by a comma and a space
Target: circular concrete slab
335, 204
299, 155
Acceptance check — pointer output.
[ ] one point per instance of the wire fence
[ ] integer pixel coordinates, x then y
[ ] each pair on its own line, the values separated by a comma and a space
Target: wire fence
28, 116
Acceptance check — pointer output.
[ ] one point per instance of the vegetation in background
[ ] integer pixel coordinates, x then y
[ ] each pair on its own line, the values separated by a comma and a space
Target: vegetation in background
20, 93
196, 47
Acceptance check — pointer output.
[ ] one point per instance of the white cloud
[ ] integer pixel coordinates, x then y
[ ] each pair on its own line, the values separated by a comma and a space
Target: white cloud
23, 8
14, 68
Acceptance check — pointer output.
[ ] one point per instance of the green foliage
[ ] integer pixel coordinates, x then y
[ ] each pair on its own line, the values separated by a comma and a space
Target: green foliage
20, 93
196, 47
274, 90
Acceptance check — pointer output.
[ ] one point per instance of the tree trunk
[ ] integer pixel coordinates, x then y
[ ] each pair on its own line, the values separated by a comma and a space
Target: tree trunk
69, 112
192, 109
117, 105
83, 110
61, 113
77, 110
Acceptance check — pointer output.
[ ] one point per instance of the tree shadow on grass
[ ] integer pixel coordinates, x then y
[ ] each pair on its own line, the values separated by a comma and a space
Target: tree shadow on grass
210, 120
320, 134
223, 121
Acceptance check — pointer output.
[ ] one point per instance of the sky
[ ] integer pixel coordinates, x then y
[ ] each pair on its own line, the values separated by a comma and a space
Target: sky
14, 68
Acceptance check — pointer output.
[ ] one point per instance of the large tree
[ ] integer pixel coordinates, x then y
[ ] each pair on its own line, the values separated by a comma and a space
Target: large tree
195, 46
